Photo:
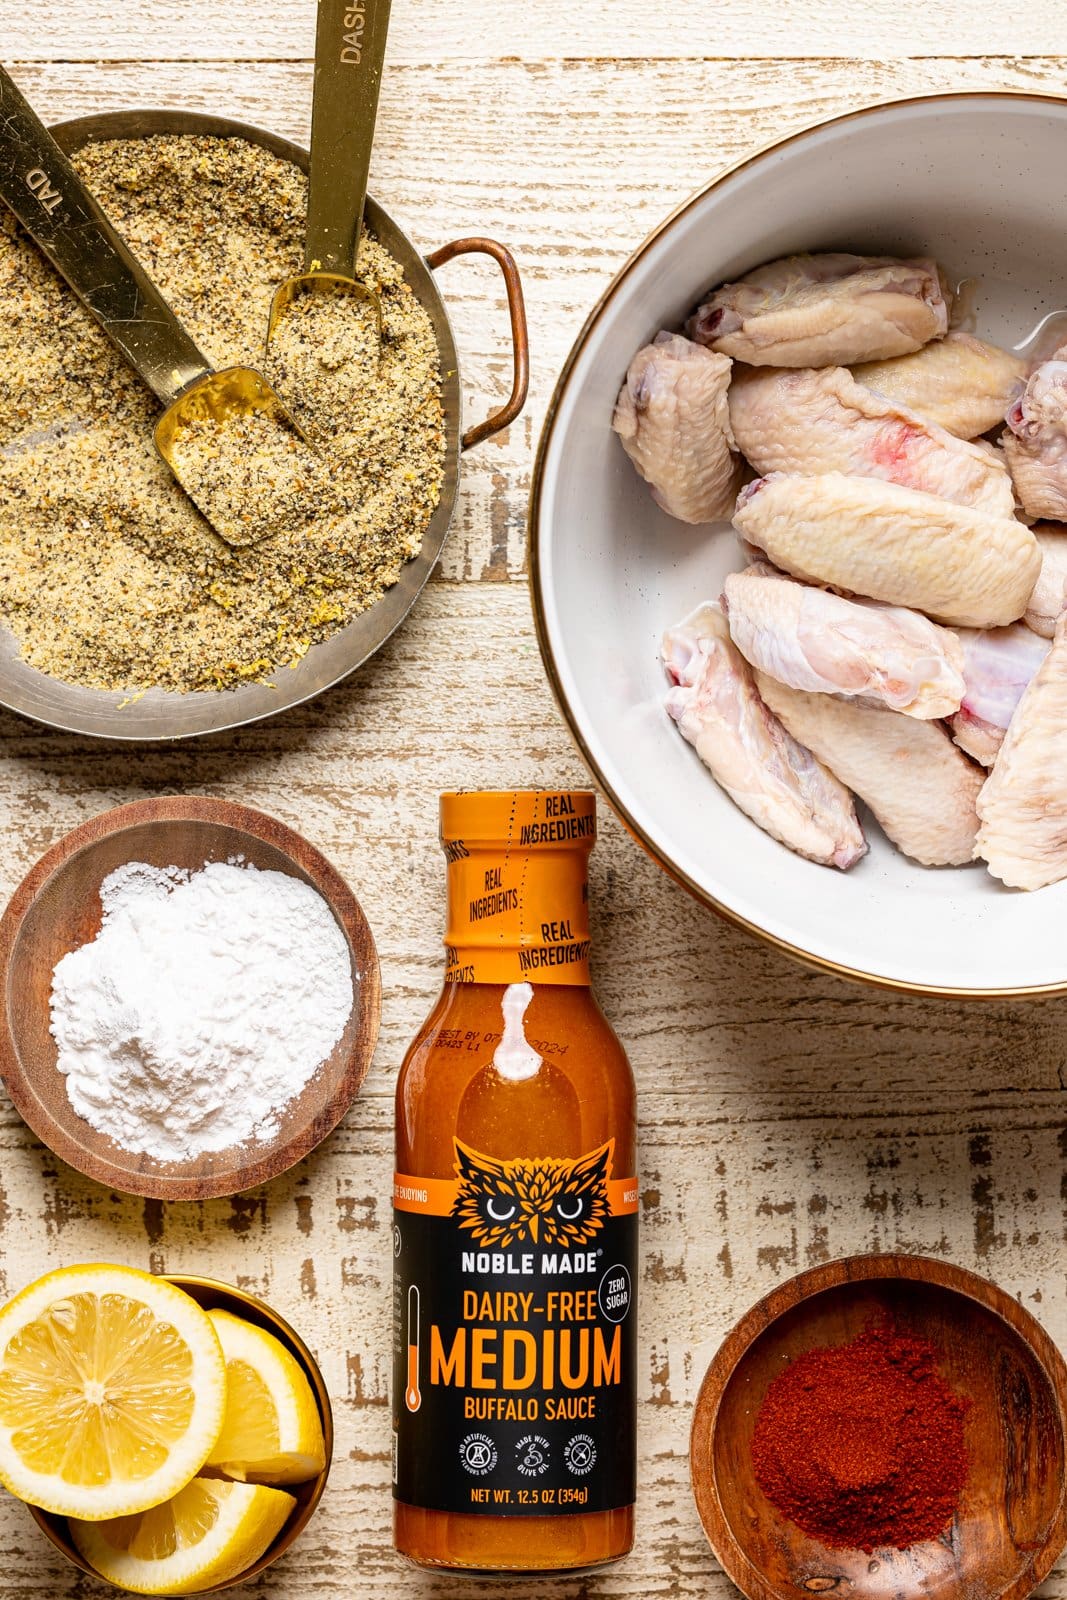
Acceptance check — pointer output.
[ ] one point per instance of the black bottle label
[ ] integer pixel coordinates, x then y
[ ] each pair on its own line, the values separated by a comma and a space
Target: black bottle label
515, 1329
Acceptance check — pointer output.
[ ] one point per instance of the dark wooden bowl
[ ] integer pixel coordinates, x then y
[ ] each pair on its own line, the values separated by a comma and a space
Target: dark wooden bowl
57, 908
214, 1296
1012, 1520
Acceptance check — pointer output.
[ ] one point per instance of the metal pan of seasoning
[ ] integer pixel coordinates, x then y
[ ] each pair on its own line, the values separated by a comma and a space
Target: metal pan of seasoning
159, 714
888, 1427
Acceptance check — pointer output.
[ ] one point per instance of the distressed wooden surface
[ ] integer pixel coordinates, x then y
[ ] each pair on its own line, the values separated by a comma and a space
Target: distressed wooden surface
785, 1117
442, 30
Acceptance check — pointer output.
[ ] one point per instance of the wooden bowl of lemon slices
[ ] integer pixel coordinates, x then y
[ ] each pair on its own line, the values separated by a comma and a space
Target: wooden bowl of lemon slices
169, 1435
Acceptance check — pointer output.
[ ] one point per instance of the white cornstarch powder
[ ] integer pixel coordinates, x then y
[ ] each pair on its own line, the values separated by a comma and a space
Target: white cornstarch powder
203, 1006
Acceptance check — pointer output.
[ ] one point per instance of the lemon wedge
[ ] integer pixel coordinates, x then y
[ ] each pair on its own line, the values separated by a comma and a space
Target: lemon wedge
112, 1391
209, 1532
272, 1432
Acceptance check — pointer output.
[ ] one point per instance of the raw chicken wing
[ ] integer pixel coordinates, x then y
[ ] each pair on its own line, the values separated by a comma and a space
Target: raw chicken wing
959, 382
817, 641
1023, 806
1036, 441
809, 420
998, 663
919, 786
773, 780
1046, 604
894, 544
674, 424
823, 310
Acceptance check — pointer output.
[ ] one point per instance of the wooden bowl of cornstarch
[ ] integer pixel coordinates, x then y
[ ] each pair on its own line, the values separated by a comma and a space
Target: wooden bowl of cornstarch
190, 998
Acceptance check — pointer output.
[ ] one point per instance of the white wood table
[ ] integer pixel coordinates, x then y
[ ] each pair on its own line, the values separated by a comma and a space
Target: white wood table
785, 1117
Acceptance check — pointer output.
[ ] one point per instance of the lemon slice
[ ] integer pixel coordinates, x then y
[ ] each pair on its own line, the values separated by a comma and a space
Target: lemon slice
112, 1391
272, 1432
209, 1532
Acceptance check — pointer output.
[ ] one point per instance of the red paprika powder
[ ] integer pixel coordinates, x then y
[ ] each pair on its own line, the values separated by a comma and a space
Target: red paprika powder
861, 1445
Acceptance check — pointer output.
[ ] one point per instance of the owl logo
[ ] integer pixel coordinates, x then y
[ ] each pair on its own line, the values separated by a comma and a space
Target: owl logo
550, 1203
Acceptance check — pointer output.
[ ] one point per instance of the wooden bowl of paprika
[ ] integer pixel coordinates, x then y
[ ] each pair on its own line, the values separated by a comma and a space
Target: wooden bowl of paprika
884, 1427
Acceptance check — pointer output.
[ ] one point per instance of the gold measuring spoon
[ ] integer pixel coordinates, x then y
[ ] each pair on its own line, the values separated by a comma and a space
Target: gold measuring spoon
350, 40
40, 185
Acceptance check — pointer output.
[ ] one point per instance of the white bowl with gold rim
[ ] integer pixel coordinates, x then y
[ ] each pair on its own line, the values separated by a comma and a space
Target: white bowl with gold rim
966, 178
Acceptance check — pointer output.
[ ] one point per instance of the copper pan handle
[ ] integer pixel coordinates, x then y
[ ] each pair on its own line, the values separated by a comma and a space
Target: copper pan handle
520, 344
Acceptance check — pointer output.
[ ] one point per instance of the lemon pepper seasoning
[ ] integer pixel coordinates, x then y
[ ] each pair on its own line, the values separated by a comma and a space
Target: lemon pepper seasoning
109, 577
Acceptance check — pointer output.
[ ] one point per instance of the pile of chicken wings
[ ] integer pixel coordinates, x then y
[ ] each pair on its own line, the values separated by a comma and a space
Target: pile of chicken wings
890, 638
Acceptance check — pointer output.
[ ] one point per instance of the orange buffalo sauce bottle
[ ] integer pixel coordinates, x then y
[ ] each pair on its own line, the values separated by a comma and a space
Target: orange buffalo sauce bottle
515, 1237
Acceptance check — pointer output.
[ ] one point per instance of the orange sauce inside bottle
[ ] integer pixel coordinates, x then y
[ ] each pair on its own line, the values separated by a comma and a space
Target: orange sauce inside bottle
515, 1127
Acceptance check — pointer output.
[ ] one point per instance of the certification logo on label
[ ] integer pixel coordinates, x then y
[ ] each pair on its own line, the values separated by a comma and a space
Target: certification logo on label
579, 1454
532, 1455
478, 1454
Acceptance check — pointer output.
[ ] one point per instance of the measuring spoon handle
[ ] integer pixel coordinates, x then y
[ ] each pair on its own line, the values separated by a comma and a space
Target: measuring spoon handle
47, 196
349, 52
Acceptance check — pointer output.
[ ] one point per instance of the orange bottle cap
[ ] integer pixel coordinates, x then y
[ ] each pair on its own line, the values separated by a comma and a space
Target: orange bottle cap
517, 896
527, 819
